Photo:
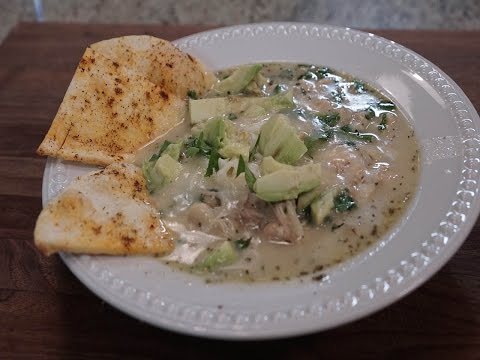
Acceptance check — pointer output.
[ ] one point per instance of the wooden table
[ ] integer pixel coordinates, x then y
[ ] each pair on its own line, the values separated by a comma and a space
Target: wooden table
45, 312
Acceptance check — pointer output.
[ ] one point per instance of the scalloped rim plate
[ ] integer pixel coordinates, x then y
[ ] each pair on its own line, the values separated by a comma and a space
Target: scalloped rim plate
439, 219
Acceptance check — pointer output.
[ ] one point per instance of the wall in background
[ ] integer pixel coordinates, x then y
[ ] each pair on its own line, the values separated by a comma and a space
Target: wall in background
408, 14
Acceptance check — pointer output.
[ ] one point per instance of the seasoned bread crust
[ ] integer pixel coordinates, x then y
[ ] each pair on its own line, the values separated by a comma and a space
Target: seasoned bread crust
103, 212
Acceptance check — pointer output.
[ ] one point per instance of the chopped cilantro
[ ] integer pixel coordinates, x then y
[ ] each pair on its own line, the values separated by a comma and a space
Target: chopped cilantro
242, 244
199, 143
352, 136
359, 86
254, 149
318, 137
309, 75
383, 123
386, 105
279, 88
370, 114
249, 177
212, 162
329, 119
314, 74
163, 147
192, 94
338, 95
344, 202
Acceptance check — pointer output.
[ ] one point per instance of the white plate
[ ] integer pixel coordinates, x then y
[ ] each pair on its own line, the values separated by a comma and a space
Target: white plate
439, 219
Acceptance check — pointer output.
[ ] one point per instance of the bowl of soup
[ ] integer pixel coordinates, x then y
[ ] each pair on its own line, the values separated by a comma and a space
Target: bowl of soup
327, 173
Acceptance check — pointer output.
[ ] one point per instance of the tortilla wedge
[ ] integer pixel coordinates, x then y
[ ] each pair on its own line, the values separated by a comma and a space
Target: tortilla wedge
159, 61
108, 112
125, 93
103, 212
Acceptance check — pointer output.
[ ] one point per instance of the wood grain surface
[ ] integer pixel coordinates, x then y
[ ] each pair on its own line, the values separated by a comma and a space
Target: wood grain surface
45, 313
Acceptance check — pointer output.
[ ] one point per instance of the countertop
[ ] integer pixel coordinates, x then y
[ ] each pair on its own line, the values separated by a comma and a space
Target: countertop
45, 312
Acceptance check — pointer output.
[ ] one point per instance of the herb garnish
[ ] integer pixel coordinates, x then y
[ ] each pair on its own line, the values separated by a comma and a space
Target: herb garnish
370, 113
386, 105
242, 244
314, 74
344, 202
192, 94
163, 147
359, 86
383, 123
254, 149
331, 119
249, 177
279, 88
197, 145
319, 137
212, 162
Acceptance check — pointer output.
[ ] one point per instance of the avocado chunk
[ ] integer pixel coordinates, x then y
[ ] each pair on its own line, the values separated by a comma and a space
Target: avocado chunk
322, 206
174, 150
162, 171
168, 168
231, 106
285, 184
238, 80
279, 139
227, 138
224, 254
305, 199
214, 132
269, 165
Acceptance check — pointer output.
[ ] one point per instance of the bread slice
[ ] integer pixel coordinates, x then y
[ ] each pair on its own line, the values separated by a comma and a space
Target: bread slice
159, 61
108, 112
103, 212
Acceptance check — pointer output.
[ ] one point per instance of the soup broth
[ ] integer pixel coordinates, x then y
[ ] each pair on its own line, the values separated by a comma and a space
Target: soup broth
361, 147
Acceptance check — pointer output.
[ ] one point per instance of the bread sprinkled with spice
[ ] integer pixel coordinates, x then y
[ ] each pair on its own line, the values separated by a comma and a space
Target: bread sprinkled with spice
159, 61
125, 93
103, 212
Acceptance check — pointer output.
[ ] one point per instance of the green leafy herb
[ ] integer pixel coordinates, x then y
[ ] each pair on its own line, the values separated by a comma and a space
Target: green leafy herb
242, 244
314, 74
344, 202
192, 151
383, 123
370, 114
359, 86
192, 94
254, 149
386, 105
329, 119
198, 145
279, 88
212, 162
249, 177
309, 75
338, 95
319, 137
163, 147
346, 128
352, 136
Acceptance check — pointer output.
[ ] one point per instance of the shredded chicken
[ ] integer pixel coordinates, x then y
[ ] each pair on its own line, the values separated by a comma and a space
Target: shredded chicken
288, 227
211, 198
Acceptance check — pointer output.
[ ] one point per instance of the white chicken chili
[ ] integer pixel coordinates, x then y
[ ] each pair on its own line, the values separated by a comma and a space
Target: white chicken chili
281, 171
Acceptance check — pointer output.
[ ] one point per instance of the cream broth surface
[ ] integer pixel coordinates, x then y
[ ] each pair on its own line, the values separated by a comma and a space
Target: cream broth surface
370, 150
